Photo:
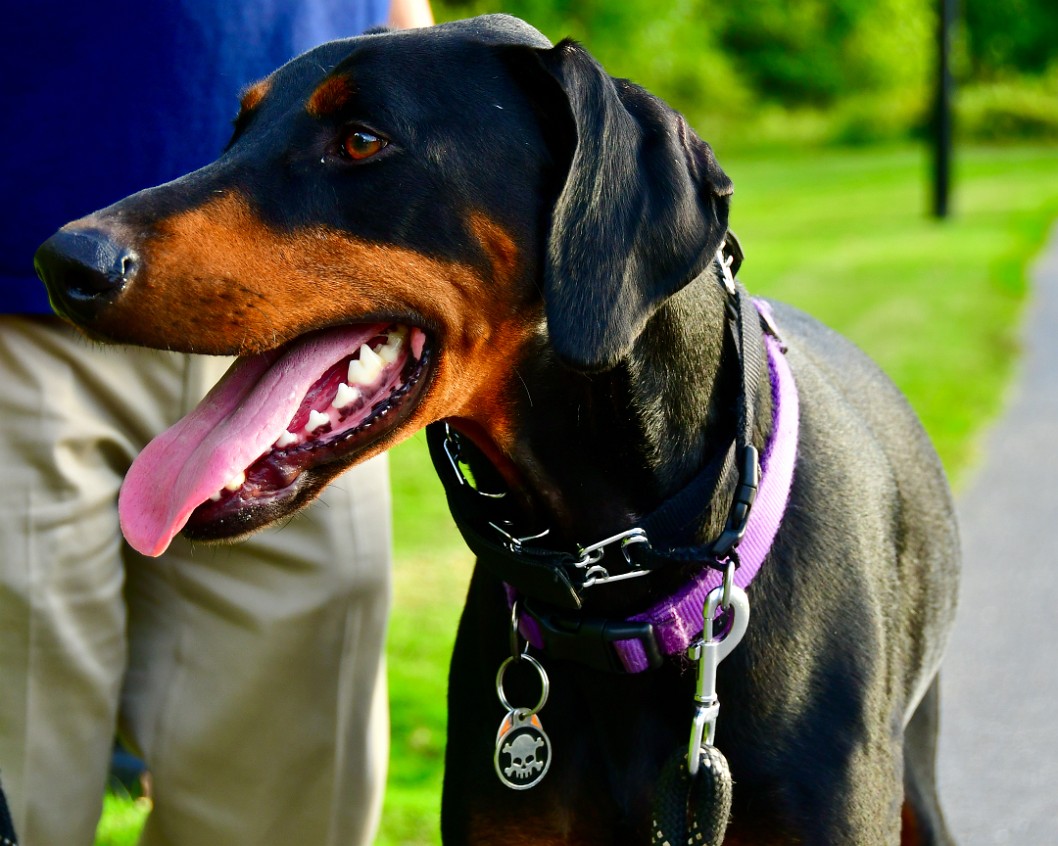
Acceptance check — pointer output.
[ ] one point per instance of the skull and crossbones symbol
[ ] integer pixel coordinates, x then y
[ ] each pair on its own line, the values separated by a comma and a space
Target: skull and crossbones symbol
524, 760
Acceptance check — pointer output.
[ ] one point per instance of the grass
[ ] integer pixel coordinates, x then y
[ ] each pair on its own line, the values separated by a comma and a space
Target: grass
844, 235
123, 818
432, 568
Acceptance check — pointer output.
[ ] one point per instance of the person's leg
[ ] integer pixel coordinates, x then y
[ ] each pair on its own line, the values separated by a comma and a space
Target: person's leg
62, 652
255, 690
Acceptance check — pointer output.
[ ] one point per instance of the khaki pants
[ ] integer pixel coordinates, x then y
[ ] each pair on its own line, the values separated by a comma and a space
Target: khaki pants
248, 676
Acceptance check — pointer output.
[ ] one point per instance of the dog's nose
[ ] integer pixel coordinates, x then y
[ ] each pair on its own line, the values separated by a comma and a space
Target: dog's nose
84, 270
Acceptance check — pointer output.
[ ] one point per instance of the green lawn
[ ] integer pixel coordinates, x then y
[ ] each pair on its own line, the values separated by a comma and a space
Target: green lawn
843, 234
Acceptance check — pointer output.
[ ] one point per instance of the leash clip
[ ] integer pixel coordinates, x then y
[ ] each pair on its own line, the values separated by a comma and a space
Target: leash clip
713, 648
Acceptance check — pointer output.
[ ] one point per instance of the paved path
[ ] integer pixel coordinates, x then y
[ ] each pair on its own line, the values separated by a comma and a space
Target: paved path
999, 738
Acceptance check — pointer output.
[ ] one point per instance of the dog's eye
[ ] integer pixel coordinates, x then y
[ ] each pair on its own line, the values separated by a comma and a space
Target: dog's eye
359, 144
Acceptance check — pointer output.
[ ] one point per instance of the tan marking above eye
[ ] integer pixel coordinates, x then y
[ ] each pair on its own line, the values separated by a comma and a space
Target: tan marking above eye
253, 94
330, 96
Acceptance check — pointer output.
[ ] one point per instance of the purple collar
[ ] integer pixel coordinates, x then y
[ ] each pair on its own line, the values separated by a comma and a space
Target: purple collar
677, 621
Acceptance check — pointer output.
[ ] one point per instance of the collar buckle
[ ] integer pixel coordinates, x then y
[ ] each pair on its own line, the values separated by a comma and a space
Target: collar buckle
590, 640
741, 504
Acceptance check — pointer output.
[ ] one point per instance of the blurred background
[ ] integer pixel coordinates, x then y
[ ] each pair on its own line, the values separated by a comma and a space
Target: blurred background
771, 73
822, 113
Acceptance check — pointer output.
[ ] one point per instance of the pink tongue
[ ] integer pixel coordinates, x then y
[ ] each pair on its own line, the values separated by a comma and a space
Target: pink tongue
237, 422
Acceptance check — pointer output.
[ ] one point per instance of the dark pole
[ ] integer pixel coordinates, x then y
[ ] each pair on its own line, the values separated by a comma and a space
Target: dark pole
942, 112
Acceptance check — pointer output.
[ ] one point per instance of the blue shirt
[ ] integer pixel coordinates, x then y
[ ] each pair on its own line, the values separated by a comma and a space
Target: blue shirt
102, 98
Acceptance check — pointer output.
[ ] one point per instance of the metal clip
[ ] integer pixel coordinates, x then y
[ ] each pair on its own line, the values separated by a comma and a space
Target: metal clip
593, 554
725, 268
599, 575
451, 448
709, 652
511, 542
590, 556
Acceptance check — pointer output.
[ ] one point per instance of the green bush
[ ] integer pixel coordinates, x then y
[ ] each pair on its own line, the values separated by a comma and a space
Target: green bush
1015, 109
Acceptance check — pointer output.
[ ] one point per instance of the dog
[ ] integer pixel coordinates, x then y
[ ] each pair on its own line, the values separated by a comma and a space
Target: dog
469, 227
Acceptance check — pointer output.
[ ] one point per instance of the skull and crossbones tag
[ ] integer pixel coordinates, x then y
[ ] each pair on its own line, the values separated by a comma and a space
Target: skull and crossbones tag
523, 750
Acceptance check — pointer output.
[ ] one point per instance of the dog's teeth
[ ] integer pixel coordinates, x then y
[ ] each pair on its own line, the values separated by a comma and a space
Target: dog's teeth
356, 375
365, 369
317, 420
235, 482
215, 497
346, 396
285, 440
390, 351
370, 358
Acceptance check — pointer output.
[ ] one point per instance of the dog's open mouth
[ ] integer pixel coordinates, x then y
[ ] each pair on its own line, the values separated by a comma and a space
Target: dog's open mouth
249, 448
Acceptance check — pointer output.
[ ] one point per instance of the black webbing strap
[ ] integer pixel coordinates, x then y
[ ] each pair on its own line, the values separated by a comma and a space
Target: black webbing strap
480, 517
681, 514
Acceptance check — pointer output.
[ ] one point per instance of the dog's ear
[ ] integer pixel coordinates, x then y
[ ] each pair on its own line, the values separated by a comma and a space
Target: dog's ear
643, 210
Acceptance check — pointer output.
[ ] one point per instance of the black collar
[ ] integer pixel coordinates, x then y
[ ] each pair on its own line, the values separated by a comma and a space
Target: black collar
519, 555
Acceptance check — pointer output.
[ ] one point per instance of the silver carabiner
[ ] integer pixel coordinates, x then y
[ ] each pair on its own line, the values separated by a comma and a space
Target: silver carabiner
709, 652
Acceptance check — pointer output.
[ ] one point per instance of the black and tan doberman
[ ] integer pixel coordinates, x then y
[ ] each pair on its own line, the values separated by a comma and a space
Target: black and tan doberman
469, 225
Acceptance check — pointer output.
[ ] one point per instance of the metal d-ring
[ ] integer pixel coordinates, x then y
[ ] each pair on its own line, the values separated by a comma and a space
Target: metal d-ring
545, 684
729, 581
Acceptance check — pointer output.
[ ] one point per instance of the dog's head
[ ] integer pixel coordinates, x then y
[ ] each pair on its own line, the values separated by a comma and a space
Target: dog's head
397, 218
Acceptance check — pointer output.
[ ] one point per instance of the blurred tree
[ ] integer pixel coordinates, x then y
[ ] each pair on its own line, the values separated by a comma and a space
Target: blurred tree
852, 71
812, 52
668, 48
1013, 36
795, 52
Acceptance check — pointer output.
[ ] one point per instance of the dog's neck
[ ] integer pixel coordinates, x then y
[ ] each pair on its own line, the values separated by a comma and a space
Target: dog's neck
601, 450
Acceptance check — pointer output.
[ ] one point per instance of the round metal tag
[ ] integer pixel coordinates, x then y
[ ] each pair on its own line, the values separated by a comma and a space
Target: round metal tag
523, 750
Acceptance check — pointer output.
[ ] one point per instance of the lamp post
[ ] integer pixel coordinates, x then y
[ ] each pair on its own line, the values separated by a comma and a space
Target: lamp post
942, 111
